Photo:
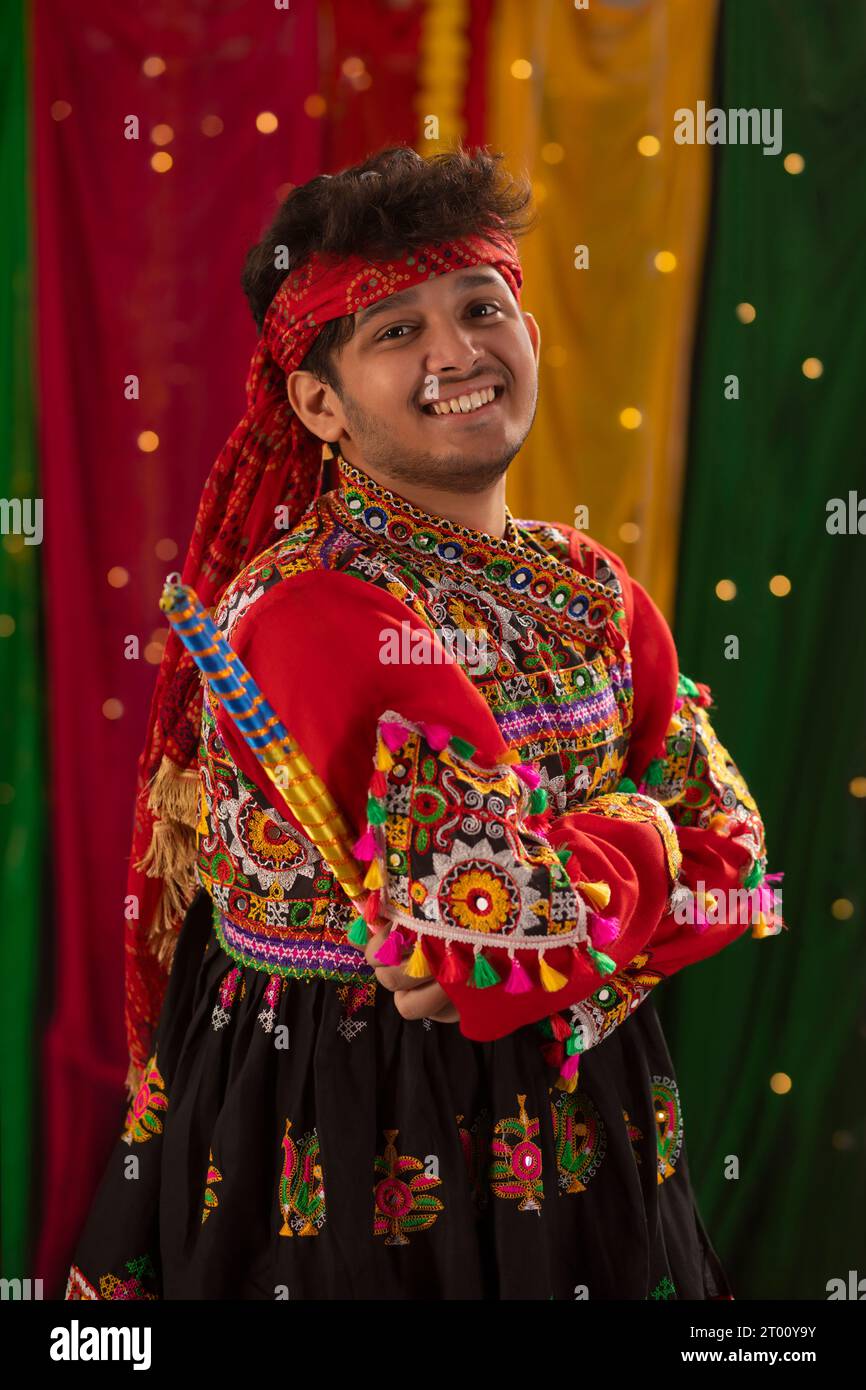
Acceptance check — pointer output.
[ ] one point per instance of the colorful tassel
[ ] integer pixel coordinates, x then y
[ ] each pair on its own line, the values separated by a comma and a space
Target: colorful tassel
365, 847
384, 758
553, 1054
603, 964
393, 734
454, 969
378, 784
436, 735
462, 748
598, 893
358, 933
518, 981
563, 855
655, 773
373, 877
686, 686
574, 1043
418, 965
570, 1065
538, 801
559, 1027
483, 974
754, 877
603, 930
551, 979
392, 948
377, 813
370, 910
527, 774
678, 704
626, 785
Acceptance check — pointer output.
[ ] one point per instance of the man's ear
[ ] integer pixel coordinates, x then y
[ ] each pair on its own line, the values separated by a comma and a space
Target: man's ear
534, 332
311, 401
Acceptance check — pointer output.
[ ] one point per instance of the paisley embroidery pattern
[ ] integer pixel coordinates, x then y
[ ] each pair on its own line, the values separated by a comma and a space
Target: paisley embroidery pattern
515, 1172
404, 1202
144, 1118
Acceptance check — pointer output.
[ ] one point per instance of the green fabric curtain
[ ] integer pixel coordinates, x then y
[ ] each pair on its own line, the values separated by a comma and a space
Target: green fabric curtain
792, 708
22, 776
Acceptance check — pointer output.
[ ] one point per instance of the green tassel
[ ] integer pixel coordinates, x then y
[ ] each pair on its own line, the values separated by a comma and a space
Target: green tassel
563, 855
655, 773
618, 616
483, 973
754, 877
603, 964
462, 747
377, 813
686, 686
626, 785
358, 932
573, 1044
538, 801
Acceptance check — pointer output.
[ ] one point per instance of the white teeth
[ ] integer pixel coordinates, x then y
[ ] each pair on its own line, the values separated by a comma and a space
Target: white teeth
464, 405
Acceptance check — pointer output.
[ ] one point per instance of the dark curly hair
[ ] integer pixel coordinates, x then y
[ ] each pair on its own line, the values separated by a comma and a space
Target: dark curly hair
409, 202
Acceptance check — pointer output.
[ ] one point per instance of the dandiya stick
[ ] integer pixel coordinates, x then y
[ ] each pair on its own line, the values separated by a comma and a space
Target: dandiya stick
300, 787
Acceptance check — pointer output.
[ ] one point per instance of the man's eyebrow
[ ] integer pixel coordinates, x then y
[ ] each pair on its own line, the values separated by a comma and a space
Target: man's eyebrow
393, 303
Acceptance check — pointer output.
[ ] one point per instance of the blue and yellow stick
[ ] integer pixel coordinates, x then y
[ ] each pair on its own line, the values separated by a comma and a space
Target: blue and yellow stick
302, 790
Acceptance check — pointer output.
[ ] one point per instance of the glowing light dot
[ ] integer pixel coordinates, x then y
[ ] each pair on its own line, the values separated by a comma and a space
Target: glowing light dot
7, 625
726, 589
780, 585
629, 532
13, 545
781, 1083
161, 162
354, 67
842, 909
813, 367
630, 418
648, 145
315, 105
117, 576
148, 441
153, 66
665, 261
794, 163
521, 68
266, 122
112, 709
60, 110
746, 313
166, 549
212, 125
844, 1140
162, 135
539, 191
857, 786
552, 153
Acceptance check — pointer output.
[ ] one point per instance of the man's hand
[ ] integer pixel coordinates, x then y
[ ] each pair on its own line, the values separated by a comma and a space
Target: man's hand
413, 998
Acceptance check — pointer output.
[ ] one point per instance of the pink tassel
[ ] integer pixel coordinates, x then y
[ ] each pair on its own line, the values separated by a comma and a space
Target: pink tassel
394, 735
570, 1065
678, 703
518, 981
436, 735
392, 948
773, 878
603, 930
700, 923
527, 774
365, 847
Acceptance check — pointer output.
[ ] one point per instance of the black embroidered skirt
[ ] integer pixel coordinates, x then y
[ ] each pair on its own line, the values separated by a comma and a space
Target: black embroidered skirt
301, 1140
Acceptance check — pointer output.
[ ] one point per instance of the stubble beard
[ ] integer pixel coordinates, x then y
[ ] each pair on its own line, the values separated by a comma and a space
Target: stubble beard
469, 474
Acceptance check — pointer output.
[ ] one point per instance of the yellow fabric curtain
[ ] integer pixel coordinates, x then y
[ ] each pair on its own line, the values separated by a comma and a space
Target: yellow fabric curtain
617, 335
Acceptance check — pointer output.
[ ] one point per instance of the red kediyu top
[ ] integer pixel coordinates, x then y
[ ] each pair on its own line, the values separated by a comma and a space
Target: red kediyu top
464, 865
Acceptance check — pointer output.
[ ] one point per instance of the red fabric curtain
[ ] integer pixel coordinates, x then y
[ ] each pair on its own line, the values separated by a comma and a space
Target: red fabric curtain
137, 275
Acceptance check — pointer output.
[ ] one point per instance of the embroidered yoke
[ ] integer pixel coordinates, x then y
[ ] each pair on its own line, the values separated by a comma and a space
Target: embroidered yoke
537, 793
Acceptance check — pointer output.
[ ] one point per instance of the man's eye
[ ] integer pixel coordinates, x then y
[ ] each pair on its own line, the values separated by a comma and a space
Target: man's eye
398, 327
384, 337
487, 305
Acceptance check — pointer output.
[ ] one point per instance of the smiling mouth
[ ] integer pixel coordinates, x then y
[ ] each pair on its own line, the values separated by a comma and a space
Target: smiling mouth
475, 412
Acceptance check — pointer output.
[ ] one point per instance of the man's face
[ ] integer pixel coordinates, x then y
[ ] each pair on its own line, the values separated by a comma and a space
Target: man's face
458, 334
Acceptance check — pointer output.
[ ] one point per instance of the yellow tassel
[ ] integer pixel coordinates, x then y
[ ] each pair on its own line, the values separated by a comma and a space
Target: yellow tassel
598, 893
719, 823
417, 965
171, 852
550, 978
384, 757
761, 927
202, 827
566, 1083
373, 877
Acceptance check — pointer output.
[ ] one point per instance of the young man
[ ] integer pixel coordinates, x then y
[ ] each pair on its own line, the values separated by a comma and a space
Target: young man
462, 1092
